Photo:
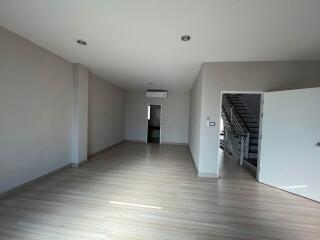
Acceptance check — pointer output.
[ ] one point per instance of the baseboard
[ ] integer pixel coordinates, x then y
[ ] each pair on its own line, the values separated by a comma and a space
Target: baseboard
201, 174
135, 141
193, 162
207, 175
285, 190
90, 156
77, 165
174, 143
38, 179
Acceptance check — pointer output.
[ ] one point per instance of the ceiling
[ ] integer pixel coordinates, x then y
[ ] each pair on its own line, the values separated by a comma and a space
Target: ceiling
135, 42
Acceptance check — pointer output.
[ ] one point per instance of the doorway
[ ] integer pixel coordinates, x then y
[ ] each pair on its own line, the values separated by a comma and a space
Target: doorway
154, 124
239, 132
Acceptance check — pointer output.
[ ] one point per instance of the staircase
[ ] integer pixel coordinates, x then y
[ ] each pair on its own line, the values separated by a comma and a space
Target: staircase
241, 130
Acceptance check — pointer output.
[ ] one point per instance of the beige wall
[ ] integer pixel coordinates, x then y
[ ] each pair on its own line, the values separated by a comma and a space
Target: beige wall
36, 89
106, 114
195, 118
80, 114
44, 112
174, 116
242, 76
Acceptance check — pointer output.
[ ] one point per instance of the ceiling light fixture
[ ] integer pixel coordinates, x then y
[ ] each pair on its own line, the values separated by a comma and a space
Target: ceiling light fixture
81, 42
186, 38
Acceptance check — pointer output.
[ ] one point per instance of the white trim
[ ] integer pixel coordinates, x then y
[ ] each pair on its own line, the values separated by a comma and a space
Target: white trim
160, 140
193, 161
207, 175
13, 190
259, 136
242, 92
175, 143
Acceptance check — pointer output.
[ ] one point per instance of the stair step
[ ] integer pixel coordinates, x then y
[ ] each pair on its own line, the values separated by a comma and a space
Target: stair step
253, 130
246, 115
250, 120
253, 147
254, 135
239, 105
253, 155
252, 124
243, 112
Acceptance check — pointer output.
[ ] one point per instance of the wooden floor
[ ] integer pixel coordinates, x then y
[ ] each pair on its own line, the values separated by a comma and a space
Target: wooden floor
138, 191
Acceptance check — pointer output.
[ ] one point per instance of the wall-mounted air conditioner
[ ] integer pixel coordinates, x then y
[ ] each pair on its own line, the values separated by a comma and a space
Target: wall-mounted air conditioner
156, 94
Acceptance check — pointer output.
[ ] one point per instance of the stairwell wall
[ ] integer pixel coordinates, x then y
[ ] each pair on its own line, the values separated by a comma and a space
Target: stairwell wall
253, 102
237, 76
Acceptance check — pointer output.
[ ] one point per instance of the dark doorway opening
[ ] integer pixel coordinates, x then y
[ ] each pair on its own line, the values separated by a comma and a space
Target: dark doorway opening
154, 123
240, 128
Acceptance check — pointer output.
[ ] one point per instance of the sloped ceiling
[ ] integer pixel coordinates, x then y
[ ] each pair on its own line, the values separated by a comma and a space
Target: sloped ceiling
135, 42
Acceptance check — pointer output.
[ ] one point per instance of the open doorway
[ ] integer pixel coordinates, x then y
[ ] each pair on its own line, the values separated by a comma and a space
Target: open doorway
154, 124
239, 131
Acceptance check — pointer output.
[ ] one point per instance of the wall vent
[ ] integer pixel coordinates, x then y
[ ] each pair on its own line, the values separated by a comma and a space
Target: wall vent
156, 94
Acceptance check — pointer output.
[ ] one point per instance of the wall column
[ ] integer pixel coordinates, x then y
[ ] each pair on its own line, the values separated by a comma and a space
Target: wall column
80, 115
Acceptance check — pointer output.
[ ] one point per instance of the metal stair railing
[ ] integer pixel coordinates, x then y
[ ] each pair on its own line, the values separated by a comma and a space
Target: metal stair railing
233, 127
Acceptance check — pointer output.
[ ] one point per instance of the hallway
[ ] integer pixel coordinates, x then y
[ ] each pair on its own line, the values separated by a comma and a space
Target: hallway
139, 191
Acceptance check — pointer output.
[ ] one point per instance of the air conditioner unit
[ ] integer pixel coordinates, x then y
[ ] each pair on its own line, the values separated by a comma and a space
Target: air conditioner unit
156, 94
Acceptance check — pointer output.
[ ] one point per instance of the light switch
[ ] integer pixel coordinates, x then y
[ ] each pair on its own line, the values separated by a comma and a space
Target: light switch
210, 123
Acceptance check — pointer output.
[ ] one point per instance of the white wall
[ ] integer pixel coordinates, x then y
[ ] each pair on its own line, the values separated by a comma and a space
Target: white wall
174, 118
242, 76
44, 112
106, 114
35, 111
80, 114
195, 119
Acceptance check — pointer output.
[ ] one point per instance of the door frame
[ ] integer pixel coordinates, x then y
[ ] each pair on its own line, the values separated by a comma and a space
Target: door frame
261, 93
146, 138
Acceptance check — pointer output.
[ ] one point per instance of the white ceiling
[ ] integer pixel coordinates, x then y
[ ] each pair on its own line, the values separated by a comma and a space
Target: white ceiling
134, 42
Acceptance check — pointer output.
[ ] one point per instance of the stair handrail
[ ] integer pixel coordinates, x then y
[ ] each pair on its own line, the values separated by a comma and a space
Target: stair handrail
233, 118
237, 128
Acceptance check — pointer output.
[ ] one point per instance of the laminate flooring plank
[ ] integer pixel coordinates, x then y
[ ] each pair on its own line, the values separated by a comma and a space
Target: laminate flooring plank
139, 191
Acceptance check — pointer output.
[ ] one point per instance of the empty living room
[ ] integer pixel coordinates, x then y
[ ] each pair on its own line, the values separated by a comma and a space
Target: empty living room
158, 119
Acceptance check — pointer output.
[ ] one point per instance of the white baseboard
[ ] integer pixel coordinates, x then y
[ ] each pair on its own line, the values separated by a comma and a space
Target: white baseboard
201, 174
193, 162
207, 175
77, 165
11, 191
174, 143
92, 155
134, 141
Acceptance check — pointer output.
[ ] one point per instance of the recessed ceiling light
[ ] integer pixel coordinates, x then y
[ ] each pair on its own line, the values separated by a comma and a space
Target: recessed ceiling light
186, 38
81, 42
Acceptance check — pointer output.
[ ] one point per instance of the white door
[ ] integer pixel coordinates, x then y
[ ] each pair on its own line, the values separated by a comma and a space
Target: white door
290, 151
